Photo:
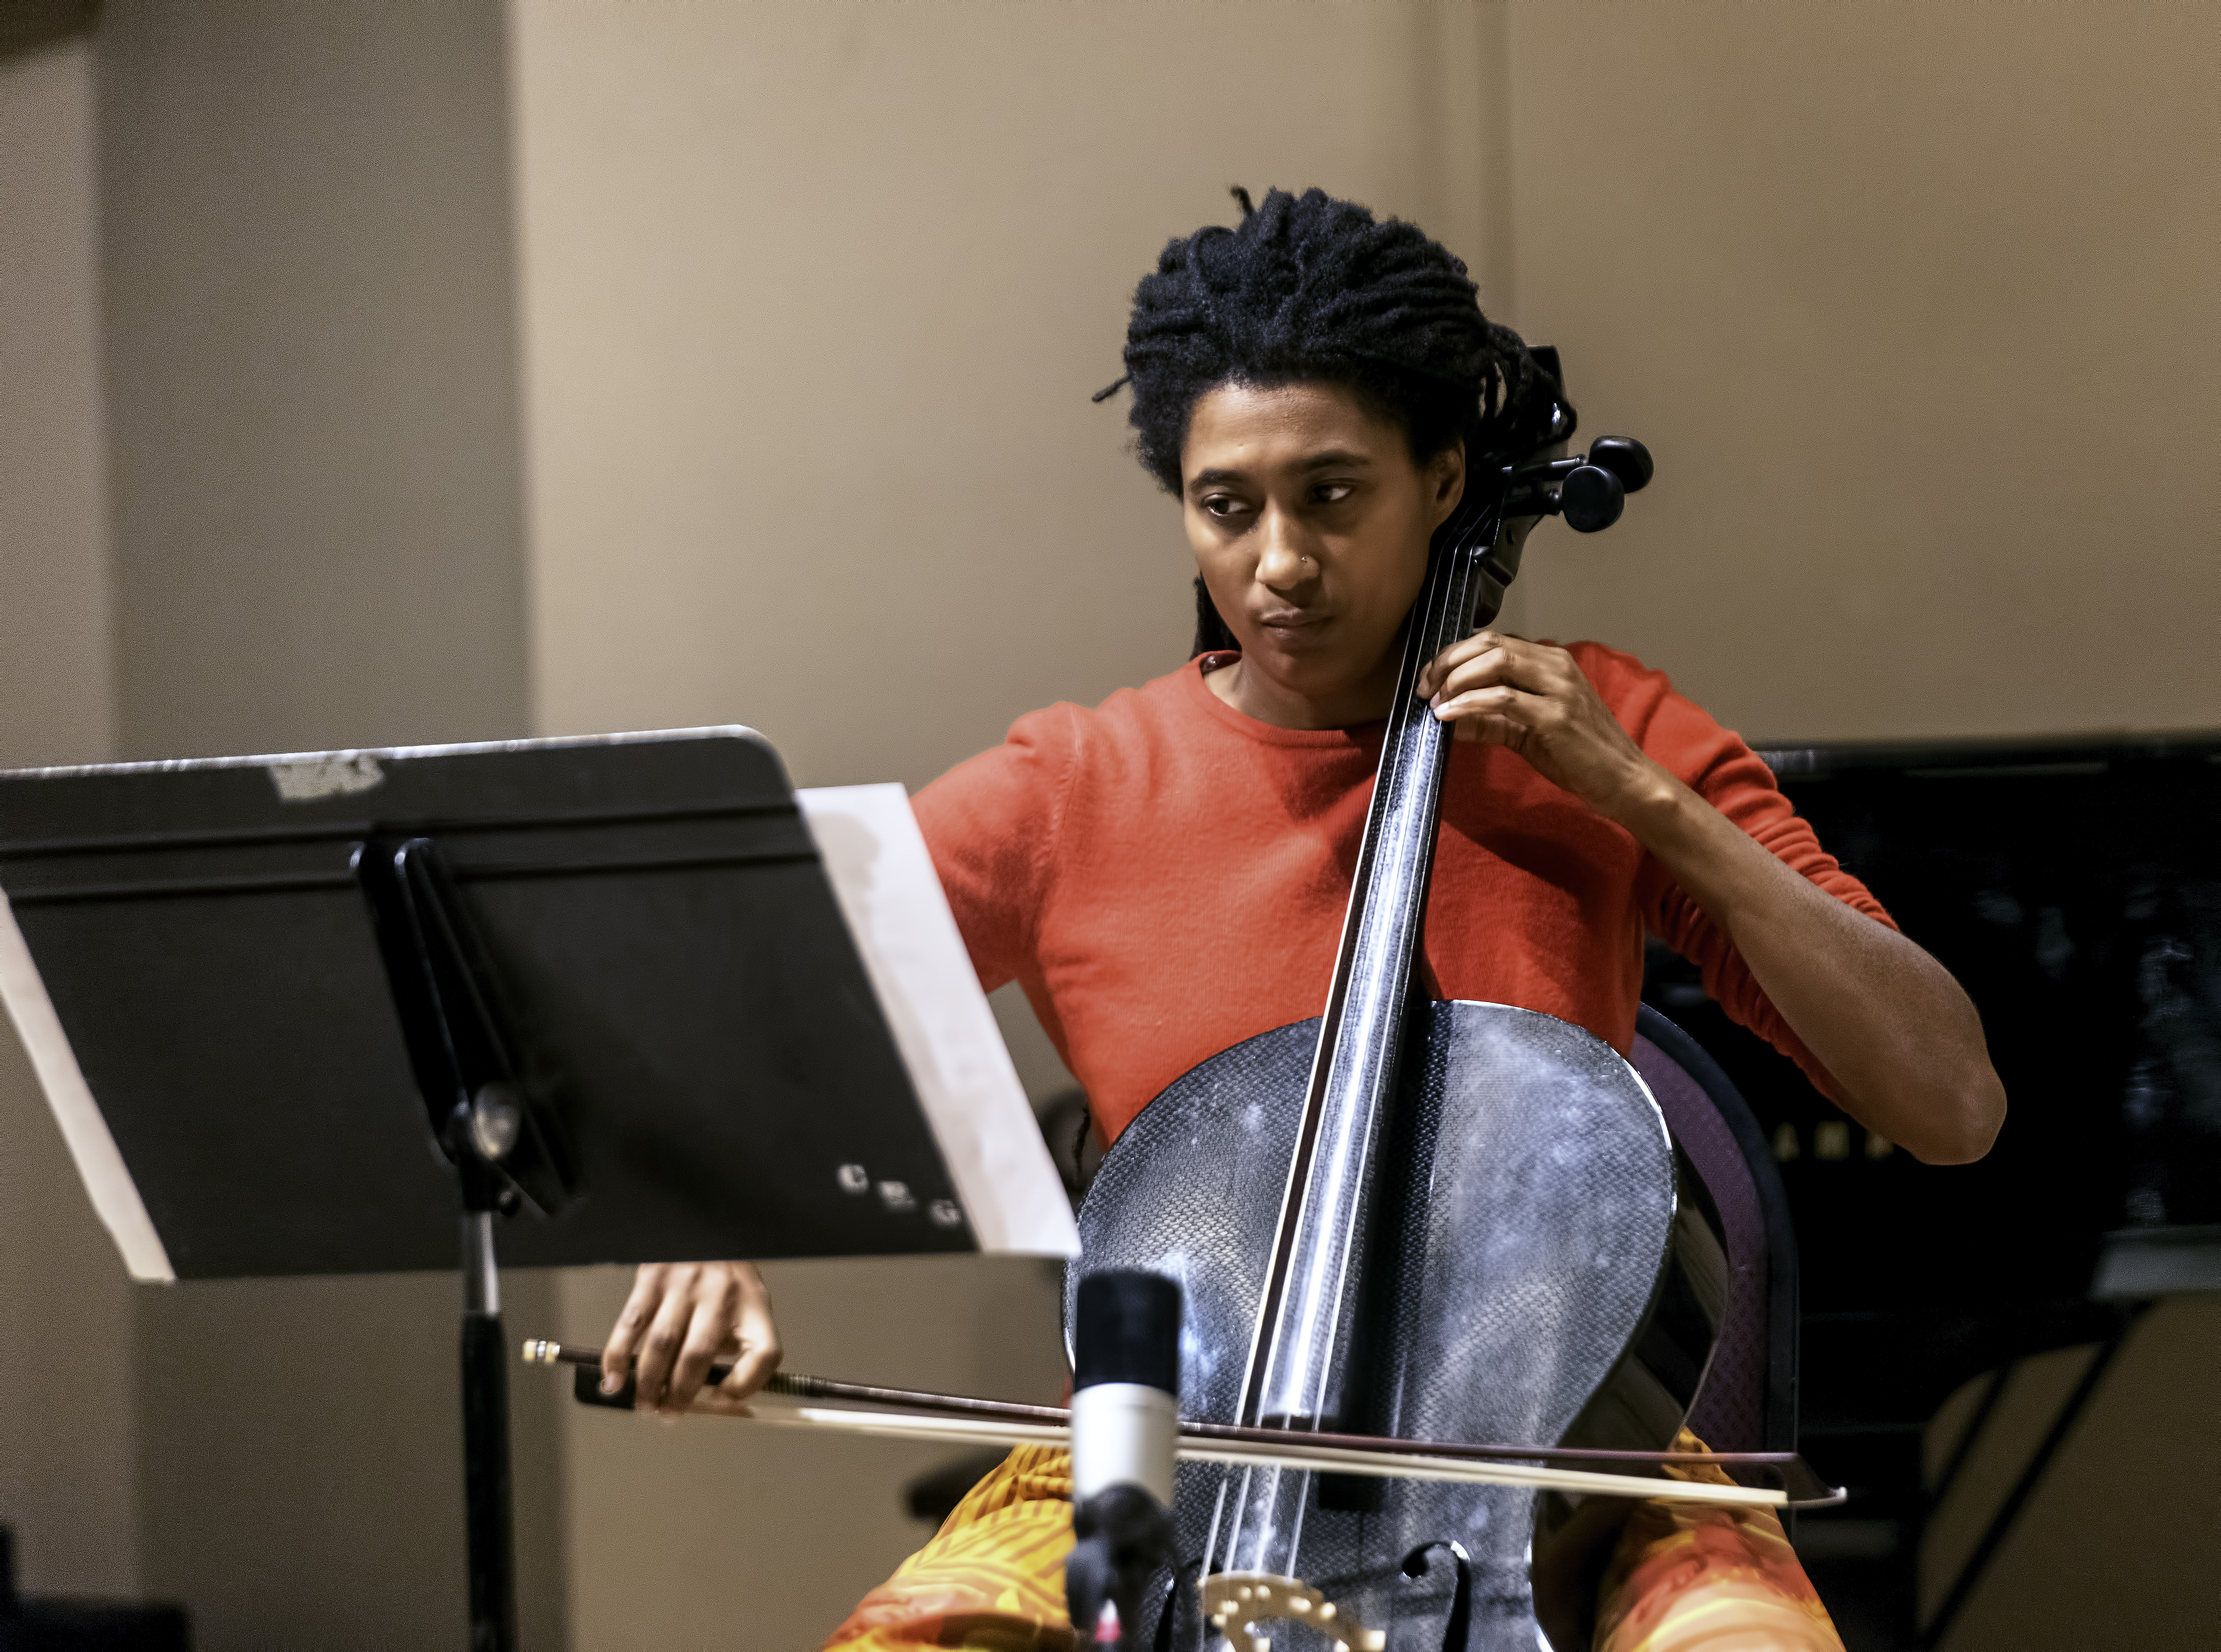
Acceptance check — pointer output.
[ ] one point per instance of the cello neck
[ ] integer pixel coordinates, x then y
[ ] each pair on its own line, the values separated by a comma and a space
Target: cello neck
1292, 1369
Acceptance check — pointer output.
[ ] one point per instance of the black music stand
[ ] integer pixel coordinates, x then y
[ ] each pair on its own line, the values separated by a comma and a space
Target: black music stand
614, 973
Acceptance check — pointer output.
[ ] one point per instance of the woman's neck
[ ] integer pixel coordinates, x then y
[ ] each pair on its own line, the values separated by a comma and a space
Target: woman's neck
1253, 694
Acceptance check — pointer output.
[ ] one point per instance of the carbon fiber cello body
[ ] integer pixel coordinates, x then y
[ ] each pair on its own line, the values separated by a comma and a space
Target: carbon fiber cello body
1523, 1222
1440, 1221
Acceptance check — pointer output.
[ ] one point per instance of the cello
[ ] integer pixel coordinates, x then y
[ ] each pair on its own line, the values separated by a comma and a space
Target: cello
1411, 1218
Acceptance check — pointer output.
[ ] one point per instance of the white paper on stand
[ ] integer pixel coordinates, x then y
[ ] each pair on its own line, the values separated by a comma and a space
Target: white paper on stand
883, 876
114, 1195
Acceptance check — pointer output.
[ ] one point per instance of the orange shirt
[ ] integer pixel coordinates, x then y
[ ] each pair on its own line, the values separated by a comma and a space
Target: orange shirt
1166, 877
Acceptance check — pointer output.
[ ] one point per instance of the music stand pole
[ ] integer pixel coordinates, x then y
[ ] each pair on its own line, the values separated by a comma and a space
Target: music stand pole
506, 1146
485, 1443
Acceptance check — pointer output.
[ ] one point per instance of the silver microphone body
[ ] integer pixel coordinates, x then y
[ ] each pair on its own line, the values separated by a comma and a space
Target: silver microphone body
1123, 1433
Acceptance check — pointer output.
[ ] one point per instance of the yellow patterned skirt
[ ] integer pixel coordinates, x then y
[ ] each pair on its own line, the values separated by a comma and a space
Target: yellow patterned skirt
1684, 1577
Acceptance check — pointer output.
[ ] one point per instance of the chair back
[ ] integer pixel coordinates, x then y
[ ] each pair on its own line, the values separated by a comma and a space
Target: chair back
1747, 1398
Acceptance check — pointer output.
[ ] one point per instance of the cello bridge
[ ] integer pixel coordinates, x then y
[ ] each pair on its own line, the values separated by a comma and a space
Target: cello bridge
1236, 1602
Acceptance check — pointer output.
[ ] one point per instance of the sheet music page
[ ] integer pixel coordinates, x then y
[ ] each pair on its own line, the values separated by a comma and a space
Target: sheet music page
114, 1195
883, 876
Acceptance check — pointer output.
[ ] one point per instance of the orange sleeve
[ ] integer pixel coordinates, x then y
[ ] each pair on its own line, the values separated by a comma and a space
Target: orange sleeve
991, 824
1714, 762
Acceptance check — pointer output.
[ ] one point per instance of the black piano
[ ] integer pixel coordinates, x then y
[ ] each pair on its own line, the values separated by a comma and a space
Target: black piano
2074, 886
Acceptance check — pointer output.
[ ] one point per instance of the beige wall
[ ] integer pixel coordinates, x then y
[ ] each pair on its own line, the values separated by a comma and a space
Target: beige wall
56, 701
66, 1455
311, 373
1915, 306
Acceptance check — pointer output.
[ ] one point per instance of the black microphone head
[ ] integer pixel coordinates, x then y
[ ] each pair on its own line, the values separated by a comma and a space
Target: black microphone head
1126, 1329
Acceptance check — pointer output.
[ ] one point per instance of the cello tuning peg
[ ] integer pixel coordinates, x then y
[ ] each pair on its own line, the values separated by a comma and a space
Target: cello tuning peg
1592, 498
1625, 458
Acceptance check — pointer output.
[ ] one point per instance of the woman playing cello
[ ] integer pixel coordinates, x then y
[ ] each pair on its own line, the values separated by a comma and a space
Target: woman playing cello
1165, 875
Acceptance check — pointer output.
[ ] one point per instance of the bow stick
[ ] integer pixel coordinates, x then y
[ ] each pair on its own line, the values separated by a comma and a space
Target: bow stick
996, 1421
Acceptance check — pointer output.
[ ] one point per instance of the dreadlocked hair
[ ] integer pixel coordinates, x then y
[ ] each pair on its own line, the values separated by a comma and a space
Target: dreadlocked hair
1312, 290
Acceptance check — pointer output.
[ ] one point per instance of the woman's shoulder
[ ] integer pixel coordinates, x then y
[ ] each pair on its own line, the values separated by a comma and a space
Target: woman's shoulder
1050, 743
1636, 692
1666, 723
1612, 670
1128, 717
1006, 807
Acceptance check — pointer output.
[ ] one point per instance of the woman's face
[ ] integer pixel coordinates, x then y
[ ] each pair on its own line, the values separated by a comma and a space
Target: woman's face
1310, 525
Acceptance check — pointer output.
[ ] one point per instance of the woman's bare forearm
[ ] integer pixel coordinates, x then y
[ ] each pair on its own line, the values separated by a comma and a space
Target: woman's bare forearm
1899, 1033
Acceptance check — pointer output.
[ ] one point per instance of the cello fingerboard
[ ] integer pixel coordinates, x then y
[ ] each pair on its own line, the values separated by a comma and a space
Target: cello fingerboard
1294, 1370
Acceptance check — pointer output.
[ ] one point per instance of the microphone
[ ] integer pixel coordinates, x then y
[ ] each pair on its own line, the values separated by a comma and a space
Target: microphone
1125, 1423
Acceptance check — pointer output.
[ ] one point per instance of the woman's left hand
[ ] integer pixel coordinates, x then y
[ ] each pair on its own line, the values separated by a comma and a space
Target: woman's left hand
1505, 691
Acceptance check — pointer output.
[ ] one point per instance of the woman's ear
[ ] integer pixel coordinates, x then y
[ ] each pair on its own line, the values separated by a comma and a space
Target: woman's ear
1446, 481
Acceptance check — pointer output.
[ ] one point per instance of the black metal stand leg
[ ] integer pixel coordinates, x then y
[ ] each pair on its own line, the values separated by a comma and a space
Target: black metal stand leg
485, 1445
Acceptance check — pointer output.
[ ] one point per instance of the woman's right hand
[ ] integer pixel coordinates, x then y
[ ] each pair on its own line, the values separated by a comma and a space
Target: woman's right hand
682, 1317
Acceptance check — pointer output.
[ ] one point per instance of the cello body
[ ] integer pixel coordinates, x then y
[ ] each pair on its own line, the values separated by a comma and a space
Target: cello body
1472, 1326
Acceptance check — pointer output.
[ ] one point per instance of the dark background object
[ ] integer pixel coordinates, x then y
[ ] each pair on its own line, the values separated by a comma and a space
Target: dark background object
935, 1494
1073, 1143
36, 1624
25, 25
2074, 887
